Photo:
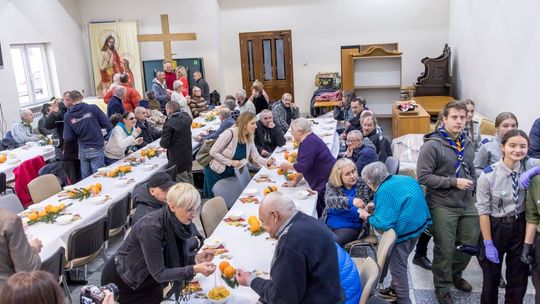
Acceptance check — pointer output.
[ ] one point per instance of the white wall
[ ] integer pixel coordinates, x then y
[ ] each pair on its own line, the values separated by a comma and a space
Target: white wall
495, 48
46, 21
320, 27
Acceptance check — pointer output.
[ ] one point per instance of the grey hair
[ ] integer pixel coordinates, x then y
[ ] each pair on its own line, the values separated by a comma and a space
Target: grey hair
301, 124
139, 110
23, 112
119, 91
265, 112
230, 103
241, 93
279, 202
177, 84
356, 133
224, 113
375, 173
173, 106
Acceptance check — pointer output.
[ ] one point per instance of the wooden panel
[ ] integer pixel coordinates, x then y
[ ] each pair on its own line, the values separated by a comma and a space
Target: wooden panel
347, 67
433, 104
409, 124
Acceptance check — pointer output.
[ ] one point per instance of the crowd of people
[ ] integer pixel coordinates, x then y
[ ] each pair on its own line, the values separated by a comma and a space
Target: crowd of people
479, 196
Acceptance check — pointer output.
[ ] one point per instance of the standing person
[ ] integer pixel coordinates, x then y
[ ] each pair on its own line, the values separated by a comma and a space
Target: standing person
267, 135
244, 105
131, 97
202, 84
490, 150
181, 74
534, 135
85, 122
285, 111
472, 128
67, 151
501, 206
45, 110
170, 75
405, 211
161, 93
259, 97
445, 167
178, 97
531, 244
176, 138
123, 139
305, 263
115, 105
344, 192
314, 160
232, 150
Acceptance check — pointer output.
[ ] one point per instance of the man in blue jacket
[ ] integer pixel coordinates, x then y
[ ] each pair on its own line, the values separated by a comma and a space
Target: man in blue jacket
85, 121
360, 150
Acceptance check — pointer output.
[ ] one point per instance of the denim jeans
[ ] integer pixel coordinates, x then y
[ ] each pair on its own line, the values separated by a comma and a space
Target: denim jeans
91, 160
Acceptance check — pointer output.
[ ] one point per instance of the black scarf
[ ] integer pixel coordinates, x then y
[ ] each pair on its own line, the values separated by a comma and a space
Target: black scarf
176, 235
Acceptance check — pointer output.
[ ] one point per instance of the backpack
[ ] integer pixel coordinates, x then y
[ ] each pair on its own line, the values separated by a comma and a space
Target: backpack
8, 142
203, 157
215, 98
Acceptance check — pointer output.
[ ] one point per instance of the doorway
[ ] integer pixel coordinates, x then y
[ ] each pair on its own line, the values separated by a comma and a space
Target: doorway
267, 56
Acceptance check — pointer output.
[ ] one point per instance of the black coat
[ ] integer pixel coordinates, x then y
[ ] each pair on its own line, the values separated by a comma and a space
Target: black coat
276, 136
148, 133
55, 121
176, 138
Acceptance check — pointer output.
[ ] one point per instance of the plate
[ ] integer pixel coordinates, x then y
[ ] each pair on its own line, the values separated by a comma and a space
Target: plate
301, 195
98, 200
212, 242
147, 167
120, 183
102, 170
235, 215
35, 207
64, 219
251, 192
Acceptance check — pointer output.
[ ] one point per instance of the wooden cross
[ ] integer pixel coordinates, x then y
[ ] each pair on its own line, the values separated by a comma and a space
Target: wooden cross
166, 37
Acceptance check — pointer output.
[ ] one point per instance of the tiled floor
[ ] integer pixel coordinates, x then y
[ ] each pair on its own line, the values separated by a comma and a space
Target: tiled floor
420, 281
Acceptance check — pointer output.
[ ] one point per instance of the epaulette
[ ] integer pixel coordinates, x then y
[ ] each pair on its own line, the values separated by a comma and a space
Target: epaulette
488, 169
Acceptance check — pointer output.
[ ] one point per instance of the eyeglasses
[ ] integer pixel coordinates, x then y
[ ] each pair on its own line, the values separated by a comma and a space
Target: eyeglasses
351, 141
132, 118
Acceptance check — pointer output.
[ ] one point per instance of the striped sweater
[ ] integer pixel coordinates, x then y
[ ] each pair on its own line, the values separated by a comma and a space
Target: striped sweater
400, 205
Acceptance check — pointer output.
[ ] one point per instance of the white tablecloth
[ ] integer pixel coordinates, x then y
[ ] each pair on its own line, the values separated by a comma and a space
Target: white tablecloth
209, 125
256, 252
25, 153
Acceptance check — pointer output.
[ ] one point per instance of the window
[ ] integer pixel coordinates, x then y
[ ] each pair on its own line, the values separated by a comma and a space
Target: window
31, 73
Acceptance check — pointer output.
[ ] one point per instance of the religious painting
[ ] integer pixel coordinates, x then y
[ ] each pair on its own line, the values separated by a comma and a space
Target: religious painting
115, 50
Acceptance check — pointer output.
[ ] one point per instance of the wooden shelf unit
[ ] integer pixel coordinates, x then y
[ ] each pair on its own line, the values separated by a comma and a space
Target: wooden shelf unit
409, 124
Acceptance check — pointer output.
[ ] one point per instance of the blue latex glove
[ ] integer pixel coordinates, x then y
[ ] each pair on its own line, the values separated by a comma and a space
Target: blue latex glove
491, 252
526, 177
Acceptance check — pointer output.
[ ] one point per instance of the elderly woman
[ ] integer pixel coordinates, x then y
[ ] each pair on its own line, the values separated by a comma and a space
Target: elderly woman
123, 137
177, 96
156, 251
343, 191
197, 104
405, 211
374, 133
314, 160
232, 150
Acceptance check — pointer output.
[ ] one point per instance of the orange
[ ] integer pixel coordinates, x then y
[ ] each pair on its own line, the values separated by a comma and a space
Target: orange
48, 208
61, 206
255, 226
33, 216
223, 265
291, 176
111, 173
252, 218
291, 159
3, 158
286, 154
229, 272
100, 186
280, 171
143, 153
55, 209
42, 213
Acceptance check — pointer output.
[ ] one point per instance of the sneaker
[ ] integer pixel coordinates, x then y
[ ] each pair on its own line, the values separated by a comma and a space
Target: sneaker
388, 294
461, 284
423, 262
444, 297
502, 283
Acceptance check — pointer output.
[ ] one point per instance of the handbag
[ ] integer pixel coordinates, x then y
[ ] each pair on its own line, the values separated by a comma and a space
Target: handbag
203, 157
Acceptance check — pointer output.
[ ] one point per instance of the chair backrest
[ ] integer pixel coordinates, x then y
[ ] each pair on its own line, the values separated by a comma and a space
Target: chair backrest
243, 176
118, 212
172, 172
55, 263
388, 240
213, 211
3, 182
11, 202
392, 164
43, 187
87, 240
229, 189
369, 276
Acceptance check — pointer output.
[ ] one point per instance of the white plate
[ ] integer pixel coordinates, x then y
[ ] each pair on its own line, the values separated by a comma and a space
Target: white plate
102, 170
251, 192
147, 167
235, 215
64, 219
301, 195
120, 183
264, 175
212, 242
98, 200
35, 207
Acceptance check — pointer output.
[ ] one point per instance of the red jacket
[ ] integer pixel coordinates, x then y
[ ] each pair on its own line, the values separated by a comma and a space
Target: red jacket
24, 174
169, 79
130, 101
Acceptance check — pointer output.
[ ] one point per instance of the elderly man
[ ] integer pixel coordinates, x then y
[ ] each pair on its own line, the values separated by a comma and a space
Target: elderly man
148, 133
226, 122
284, 112
267, 135
170, 74
244, 104
162, 94
22, 131
360, 150
305, 265
115, 103
176, 138
314, 160
446, 168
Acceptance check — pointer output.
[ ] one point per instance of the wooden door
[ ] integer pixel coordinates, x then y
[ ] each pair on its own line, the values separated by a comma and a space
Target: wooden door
267, 56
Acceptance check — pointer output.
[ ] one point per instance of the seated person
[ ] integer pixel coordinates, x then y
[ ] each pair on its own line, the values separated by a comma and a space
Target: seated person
285, 111
153, 103
267, 135
148, 133
259, 97
349, 277
16, 252
226, 122
244, 104
115, 104
360, 150
45, 110
231, 104
358, 105
344, 191
22, 131
343, 111
372, 131
151, 195
197, 103
123, 138
155, 252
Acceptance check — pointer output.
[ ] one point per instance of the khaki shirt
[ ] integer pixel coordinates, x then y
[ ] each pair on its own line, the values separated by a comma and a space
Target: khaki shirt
532, 213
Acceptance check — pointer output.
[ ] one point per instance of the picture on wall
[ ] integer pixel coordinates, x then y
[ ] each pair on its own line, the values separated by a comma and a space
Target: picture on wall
114, 50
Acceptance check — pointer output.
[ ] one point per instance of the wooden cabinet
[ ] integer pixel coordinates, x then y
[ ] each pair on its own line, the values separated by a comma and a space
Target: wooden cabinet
409, 124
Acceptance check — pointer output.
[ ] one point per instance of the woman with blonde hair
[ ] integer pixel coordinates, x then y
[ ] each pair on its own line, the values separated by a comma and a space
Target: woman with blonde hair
232, 150
181, 74
259, 97
345, 192
156, 251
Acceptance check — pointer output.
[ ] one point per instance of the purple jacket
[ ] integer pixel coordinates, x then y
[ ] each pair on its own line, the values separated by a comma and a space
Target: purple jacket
315, 161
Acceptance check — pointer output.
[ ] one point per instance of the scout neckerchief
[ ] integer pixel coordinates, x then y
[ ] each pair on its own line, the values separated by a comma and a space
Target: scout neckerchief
458, 147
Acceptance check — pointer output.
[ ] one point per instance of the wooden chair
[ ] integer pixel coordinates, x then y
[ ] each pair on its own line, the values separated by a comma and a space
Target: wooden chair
213, 211
43, 187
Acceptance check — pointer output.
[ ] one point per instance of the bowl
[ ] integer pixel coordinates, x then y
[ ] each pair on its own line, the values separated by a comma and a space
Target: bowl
264, 174
212, 242
220, 301
120, 183
236, 215
251, 192
35, 207
64, 219
301, 194
147, 167
102, 170
98, 200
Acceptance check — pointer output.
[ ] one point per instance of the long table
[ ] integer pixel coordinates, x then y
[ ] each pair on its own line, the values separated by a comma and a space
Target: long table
24, 153
254, 253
